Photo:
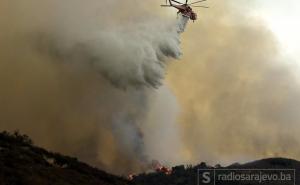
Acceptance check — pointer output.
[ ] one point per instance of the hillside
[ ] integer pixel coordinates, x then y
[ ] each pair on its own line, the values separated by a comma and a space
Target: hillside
182, 175
21, 163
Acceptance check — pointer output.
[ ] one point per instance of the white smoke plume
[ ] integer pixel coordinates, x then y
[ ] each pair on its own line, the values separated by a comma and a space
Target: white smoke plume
84, 83
127, 56
80, 78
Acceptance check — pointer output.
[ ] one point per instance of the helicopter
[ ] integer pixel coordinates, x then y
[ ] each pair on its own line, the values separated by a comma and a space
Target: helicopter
185, 8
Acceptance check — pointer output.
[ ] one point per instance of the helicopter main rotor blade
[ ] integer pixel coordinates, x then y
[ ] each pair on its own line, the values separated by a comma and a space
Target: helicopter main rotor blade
197, 2
200, 6
177, 2
165, 5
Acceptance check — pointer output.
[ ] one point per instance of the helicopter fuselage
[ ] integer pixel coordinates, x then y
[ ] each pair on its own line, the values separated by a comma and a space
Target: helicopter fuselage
186, 11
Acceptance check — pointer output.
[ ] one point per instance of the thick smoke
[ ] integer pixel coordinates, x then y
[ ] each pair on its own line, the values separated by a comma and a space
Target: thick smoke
238, 94
80, 77
128, 56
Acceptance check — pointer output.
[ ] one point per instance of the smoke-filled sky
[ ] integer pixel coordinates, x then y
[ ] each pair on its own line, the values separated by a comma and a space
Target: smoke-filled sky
87, 79
282, 18
237, 89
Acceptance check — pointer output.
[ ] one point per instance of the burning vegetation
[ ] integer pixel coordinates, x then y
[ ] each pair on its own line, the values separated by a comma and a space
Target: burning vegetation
156, 167
160, 168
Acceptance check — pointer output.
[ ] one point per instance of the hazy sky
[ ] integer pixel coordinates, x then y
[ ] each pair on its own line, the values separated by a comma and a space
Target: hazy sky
231, 96
233, 79
282, 16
